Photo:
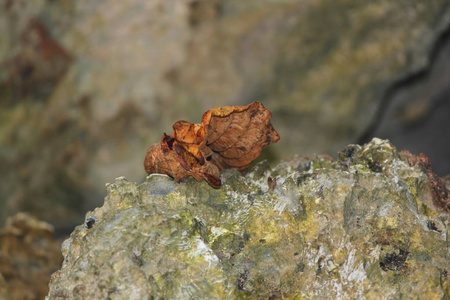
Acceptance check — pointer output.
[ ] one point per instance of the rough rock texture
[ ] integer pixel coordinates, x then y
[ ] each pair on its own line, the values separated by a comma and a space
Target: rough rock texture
86, 85
363, 226
28, 256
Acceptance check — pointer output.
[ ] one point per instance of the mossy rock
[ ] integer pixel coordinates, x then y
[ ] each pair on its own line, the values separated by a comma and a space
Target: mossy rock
341, 229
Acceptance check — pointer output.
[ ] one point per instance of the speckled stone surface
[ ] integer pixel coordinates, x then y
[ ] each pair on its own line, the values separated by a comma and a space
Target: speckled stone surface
363, 226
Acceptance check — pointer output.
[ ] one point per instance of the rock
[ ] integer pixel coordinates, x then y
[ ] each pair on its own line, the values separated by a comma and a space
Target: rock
363, 226
29, 254
88, 86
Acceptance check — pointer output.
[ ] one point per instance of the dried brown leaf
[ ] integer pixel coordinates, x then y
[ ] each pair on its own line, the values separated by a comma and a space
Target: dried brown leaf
228, 137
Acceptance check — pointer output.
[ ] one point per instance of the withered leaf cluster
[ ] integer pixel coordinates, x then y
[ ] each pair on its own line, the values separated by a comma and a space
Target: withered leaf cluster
227, 137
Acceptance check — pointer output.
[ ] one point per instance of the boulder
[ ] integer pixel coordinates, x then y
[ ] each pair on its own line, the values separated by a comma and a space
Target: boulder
373, 224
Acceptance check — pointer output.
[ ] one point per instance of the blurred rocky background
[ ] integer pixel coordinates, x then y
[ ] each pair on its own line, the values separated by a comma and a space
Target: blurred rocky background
29, 254
87, 86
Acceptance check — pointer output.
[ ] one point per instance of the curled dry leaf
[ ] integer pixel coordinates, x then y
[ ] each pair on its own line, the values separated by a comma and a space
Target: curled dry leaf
227, 137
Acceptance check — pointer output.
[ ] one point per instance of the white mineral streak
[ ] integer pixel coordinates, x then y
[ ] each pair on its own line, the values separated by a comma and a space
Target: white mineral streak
202, 249
218, 231
353, 270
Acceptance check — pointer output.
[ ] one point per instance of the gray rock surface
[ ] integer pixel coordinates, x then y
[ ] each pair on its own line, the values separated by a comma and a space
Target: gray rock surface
363, 226
86, 87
